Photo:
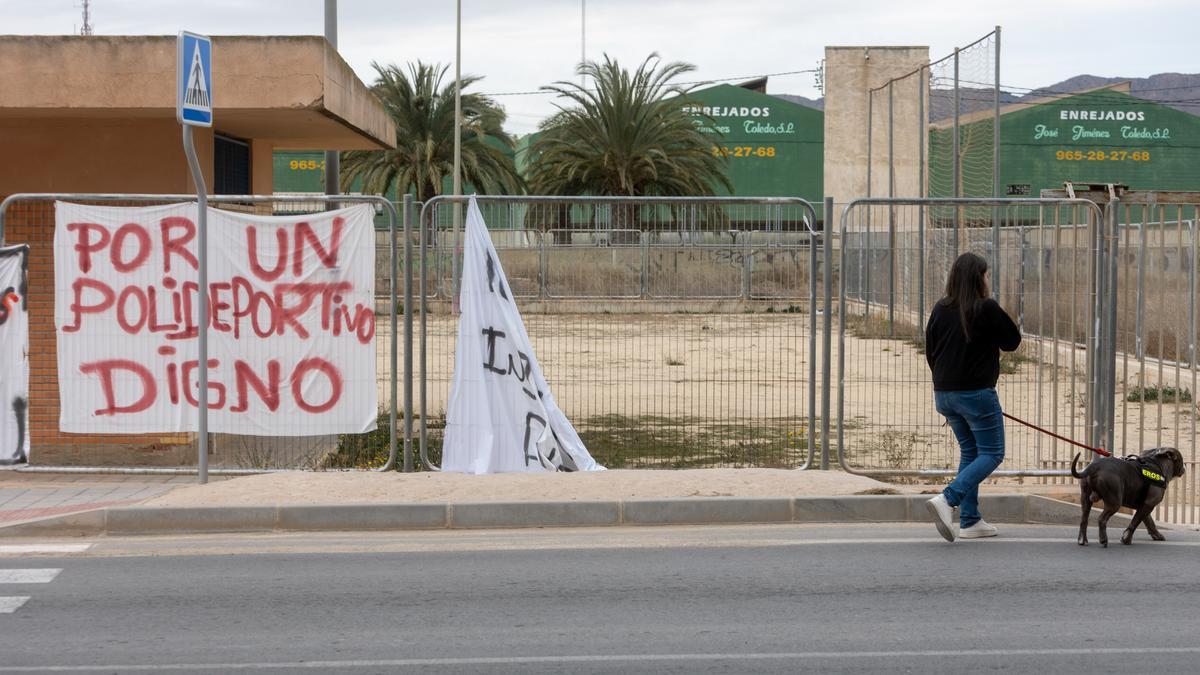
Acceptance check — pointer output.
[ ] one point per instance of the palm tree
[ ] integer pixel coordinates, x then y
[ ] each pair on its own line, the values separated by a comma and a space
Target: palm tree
628, 135
423, 112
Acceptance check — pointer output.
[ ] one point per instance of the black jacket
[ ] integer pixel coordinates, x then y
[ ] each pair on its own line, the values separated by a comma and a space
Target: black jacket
959, 365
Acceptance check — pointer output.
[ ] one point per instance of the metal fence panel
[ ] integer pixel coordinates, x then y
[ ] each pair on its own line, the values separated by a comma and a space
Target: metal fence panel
1155, 325
890, 277
31, 217
675, 332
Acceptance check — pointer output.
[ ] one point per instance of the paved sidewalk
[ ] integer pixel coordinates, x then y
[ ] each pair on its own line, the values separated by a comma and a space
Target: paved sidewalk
29, 496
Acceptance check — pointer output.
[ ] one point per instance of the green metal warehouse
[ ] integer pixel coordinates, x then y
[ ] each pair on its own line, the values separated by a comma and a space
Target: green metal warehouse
775, 147
1103, 135
299, 172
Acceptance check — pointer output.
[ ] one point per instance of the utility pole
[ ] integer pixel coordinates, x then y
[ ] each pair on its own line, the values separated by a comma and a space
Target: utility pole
583, 40
458, 105
457, 154
333, 169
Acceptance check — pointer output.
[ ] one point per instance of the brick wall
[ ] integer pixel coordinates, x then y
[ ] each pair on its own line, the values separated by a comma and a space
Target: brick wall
33, 223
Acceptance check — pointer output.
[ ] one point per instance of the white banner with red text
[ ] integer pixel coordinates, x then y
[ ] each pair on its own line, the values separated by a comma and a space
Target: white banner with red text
14, 356
291, 322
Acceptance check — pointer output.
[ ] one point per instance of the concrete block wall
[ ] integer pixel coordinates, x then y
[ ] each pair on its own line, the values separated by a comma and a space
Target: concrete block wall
850, 74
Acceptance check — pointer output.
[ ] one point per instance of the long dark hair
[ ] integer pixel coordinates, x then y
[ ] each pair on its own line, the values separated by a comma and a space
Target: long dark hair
966, 288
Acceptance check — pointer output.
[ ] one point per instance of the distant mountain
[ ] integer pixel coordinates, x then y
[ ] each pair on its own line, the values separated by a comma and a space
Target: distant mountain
815, 104
1177, 90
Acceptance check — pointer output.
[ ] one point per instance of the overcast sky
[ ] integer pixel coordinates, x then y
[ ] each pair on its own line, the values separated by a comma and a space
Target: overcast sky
518, 45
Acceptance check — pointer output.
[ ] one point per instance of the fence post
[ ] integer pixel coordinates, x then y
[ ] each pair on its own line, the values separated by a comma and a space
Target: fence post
870, 131
865, 265
408, 335
957, 163
922, 139
544, 264
644, 250
422, 249
812, 339
1111, 356
455, 251
841, 376
1096, 332
826, 354
865, 258
996, 172
747, 249
891, 252
1105, 346
1020, 276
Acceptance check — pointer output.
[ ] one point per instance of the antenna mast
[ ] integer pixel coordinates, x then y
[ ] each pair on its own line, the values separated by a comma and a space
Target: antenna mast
87, 19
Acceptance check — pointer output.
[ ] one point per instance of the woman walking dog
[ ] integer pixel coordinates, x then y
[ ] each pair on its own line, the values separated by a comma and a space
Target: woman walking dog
963, 338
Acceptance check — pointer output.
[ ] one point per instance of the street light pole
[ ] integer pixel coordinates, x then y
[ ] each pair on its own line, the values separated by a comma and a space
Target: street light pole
457, 150
582, 40
332, 159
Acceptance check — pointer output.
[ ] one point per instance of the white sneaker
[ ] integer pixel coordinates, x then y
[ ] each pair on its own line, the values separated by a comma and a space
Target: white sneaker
944, 516
978, 531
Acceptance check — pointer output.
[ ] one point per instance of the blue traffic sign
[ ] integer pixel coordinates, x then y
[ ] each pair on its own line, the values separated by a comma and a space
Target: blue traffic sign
193, 67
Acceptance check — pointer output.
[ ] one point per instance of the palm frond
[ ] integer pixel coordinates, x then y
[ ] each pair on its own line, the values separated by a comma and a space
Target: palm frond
420, 101
628, 134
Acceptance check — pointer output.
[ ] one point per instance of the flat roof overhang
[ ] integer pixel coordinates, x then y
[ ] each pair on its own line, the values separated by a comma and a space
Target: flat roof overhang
294, 91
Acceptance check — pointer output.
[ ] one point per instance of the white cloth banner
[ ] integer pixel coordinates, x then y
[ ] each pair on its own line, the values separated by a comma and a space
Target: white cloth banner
291, 321
14, 356
502, 416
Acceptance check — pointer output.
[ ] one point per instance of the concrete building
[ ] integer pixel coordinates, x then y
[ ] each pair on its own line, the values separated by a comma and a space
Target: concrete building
850, 74
97, 114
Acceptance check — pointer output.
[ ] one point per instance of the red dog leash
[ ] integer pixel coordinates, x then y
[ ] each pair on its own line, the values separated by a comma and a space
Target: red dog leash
1098, 451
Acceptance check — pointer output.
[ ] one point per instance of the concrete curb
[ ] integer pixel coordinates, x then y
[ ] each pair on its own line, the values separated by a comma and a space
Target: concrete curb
1003, 508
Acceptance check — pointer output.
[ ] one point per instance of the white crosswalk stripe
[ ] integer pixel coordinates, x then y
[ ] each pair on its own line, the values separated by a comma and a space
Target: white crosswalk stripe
37, 575
41, 549
43, 575
29, 576
10, 604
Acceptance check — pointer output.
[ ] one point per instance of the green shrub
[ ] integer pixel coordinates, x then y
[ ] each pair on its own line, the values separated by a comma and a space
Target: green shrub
1159, 394
370, 450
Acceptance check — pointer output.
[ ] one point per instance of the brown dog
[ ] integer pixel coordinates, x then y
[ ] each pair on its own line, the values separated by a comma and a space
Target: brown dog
1139, 483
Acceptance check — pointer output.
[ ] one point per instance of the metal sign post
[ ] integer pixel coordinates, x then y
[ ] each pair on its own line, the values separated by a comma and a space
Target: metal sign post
193, 108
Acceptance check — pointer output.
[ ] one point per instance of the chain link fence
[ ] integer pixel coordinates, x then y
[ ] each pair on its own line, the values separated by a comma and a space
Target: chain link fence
1106, 301
1152, 249
1042, 255
934, 132
684, 332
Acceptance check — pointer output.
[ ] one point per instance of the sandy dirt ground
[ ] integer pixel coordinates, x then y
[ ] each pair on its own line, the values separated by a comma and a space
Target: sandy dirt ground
736, 374
750, 368
372, 488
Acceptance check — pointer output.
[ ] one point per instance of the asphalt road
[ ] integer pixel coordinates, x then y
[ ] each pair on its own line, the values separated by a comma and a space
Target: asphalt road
780, 598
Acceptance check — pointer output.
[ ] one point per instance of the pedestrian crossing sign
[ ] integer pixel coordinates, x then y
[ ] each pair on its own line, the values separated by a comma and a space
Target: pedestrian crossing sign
193, 100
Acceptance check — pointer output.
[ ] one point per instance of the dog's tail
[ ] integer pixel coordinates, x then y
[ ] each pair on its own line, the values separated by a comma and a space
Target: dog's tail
1073, 462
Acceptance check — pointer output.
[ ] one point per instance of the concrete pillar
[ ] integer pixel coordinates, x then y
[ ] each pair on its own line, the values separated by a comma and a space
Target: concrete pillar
850, 74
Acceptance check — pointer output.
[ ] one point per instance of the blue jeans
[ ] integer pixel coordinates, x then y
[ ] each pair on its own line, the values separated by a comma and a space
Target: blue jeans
978, 425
